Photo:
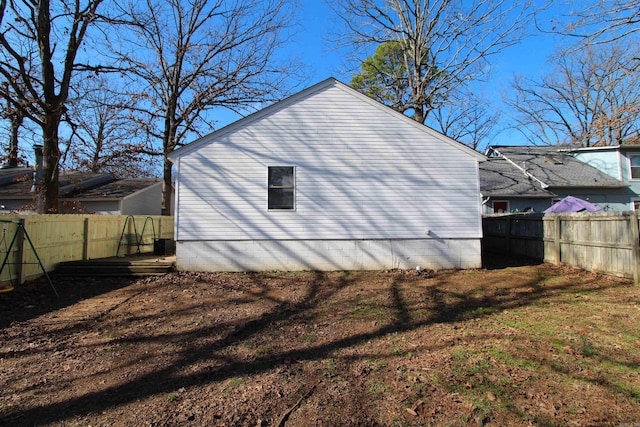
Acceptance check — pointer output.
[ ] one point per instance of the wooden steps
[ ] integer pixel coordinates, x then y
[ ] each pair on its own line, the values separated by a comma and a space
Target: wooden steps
133, 265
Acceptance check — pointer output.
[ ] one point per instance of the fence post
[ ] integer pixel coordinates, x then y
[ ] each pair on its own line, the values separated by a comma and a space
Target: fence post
556, 242
635, 245
85, 245
130, 234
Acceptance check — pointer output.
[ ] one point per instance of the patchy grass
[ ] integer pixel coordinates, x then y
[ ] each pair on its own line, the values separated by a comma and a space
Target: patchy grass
539, 345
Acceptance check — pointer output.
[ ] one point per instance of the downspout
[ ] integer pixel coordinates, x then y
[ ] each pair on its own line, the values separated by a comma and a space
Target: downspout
620, 177
485, 201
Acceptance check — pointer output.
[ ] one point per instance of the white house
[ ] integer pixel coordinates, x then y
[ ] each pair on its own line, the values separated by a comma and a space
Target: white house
327, 179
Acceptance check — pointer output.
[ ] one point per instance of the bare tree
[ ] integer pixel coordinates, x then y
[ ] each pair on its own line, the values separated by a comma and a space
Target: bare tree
598, 21
15, 106
446, 44
467, 119
103, 137
591, 98
15, 117
192, 56
39, 44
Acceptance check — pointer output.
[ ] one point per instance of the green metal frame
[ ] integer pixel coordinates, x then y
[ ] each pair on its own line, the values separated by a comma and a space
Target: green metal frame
20, 226
138, 241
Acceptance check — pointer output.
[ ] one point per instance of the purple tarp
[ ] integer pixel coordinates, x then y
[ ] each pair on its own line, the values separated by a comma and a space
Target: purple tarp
573, 204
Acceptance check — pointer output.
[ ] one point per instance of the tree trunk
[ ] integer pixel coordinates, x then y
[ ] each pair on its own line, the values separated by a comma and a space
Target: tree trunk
168, 145
167, 189
16, 122
48, 189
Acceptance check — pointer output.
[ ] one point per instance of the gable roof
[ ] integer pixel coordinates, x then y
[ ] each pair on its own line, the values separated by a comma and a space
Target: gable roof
319, 87
552, 167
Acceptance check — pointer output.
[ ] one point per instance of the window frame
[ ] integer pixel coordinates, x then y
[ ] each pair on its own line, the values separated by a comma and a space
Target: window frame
283, 188
631, 167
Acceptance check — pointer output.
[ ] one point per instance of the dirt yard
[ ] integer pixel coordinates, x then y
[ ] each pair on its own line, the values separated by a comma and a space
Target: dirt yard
531, 345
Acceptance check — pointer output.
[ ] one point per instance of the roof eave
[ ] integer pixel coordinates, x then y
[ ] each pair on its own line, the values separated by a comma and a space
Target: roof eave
612, 187
192, 146
519, 196
91, 199
17, 197
317, 87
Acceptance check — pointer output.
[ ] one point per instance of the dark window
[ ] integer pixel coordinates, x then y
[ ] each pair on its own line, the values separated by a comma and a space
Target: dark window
500, 206
281, 187
635, 167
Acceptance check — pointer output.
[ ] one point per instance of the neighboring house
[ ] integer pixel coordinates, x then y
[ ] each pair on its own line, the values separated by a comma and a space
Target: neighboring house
327, 179
83, 192
506, 188
522, 178
621, 162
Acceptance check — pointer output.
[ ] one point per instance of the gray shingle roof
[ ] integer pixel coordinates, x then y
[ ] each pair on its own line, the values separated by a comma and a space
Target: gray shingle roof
499, 178
116, 189
557, 169
73, 185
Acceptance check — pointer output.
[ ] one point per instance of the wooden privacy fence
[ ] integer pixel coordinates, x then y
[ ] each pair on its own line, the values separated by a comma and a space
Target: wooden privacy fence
514, 234
58, 238
608, 242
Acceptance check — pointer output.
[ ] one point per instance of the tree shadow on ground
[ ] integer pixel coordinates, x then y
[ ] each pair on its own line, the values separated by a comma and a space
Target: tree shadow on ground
215, 364
35, 297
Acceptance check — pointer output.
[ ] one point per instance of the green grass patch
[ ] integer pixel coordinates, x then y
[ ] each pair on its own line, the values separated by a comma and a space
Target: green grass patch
378, 387
307, 339
369, 309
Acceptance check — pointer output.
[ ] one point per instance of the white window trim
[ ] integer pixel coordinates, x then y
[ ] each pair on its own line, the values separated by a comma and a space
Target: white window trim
631, 178
294, 189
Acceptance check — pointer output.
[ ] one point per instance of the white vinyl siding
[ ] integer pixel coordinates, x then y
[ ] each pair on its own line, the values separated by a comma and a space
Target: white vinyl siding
360, 173
327, 255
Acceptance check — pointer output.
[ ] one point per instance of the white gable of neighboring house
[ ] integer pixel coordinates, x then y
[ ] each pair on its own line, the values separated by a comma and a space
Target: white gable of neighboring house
363, 173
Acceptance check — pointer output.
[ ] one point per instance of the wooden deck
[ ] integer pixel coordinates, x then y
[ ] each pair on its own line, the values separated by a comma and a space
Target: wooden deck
130, 265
